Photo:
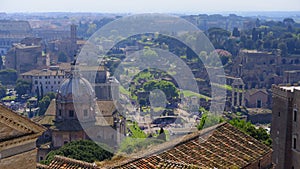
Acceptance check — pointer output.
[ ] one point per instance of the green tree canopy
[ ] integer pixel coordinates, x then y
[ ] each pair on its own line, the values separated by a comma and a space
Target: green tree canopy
258, 133
218, 36
167, 87
84, 150
2, 91
8, 76
62, 57
208, 119
45, 101
22, 87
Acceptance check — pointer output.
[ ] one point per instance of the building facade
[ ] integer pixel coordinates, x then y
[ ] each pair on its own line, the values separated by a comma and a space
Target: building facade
45, 80
12, 32
285, 129
26, 56
77, 114
257, 98
18, 137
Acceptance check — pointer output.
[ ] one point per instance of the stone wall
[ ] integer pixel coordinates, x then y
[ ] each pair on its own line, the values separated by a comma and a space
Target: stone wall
262, 118
251, 100
59, 138
281, 127
296, 130
26, 160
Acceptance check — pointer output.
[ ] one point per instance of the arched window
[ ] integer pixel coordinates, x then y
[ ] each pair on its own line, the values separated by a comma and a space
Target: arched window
294, 142
295, 112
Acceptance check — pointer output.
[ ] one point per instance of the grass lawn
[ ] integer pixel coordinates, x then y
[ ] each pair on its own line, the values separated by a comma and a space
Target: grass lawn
9, 98
188, 93
136, 131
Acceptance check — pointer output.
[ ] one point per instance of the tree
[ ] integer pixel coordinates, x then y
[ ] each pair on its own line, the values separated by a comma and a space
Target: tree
218, 36
22, 87
84, 150
8, 76
45, 102
248, 128
236, 32
162, 135
51, 95
255, 34
43, 105
37, 91
62, 57
91, 29
208, 119
167, 87
283, 47
2, 91
288, 21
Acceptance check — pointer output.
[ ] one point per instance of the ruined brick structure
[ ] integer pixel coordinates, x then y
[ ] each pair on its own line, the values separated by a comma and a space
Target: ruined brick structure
26, 56
261, 69
12, 32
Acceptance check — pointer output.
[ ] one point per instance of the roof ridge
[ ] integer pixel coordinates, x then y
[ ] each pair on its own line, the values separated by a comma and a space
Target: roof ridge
19, 122
79, 162
41, 166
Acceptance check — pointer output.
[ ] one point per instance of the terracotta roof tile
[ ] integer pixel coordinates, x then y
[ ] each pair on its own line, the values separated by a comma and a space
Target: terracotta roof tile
60, 162
222, 146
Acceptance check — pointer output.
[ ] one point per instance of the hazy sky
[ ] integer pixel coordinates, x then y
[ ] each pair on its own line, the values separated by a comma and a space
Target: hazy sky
144, 6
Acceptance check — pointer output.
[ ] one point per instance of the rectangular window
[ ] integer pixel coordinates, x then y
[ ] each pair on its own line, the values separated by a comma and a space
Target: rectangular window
278, 114
59, 112
258, 104
294, 143
85, 113
295, 115
71, 113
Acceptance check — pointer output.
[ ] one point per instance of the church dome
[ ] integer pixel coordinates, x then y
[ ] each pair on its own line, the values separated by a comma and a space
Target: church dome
75, 87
